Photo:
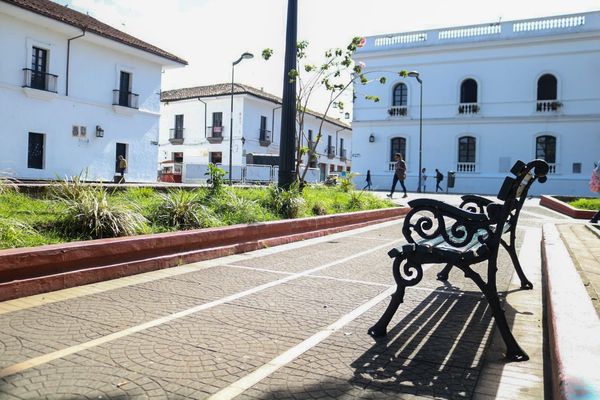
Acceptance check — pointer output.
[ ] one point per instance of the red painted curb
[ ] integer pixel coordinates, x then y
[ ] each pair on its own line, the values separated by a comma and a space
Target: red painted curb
573, 324
563, 208
28, 271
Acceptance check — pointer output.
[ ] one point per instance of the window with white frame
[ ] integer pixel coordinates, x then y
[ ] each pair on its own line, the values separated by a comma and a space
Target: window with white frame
545, 149
397, 145
399, 100
468, 97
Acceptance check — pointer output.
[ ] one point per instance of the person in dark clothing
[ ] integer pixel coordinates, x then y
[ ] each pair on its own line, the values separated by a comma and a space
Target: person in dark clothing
438, 178
399, 175
594, 187
368, 185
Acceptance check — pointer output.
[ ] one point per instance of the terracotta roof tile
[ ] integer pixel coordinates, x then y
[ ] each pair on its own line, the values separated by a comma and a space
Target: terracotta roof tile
71, 17
224, 89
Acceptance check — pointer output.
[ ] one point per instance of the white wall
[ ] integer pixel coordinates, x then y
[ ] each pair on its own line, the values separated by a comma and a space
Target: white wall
507, 124
95, 64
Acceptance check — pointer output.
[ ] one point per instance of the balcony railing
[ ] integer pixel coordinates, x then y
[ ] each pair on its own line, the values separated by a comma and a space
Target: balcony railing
548, 105
398, 111
466, 167
125, 99
214, 134
551, 168
468, 108
176, 135
392, 166
343, 155
39, 80
330, 151
264, 137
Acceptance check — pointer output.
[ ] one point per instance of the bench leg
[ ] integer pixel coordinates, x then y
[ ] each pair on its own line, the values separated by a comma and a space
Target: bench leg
525, 283
380, 328
443, 274
409, 275
514, 352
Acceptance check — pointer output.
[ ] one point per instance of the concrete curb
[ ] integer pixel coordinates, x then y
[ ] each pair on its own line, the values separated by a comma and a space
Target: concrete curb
24, 272
572, 321
563, 208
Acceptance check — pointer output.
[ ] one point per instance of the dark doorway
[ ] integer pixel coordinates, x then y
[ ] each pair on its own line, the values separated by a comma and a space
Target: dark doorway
35, 151
121, 151
124, 89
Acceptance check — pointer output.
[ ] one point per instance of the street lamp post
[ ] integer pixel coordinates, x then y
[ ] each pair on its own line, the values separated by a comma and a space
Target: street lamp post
415, 74
244, 56
288, 104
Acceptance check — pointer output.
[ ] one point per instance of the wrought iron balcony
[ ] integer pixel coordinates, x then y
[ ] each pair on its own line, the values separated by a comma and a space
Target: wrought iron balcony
264, 137
330, 151
125, 99
398, 111
548, 105
468, 108
176, 135
39, 80
214, 134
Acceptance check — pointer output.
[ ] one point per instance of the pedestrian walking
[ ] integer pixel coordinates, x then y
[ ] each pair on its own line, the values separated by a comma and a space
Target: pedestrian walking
122, 168
424, 179
368, 185
399, 175
438, 178
595, 187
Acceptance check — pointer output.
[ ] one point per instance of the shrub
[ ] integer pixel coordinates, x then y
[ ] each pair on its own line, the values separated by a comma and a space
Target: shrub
346, 182
216, 179
89, 214
319, 208
286, 203
182, 209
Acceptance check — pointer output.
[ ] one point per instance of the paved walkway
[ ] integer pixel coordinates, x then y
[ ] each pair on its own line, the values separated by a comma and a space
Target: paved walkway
288, 322
583, 243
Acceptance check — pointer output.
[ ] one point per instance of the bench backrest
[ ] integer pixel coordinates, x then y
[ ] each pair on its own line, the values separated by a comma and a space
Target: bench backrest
513, 193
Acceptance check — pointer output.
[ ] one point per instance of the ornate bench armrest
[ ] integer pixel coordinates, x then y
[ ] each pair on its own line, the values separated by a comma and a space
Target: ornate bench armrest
435, 221
474, 203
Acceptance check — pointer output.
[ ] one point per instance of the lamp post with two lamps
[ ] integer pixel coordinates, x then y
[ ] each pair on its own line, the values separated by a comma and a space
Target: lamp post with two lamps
416, 75
244, 56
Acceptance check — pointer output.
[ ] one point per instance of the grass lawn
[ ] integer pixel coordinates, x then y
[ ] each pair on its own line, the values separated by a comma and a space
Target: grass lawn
28, 221
586, 204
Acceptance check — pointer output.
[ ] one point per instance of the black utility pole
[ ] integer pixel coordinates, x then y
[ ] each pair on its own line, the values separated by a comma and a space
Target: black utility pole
288, 112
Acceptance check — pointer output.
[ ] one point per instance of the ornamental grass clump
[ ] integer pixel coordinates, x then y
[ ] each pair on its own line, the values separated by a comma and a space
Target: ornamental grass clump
286, 203
89, 214
182, 209
7, 185
235, 209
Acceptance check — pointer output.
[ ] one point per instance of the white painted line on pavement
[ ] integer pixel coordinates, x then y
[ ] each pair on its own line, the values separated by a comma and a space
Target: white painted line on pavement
288, 356
245, 383
34, 362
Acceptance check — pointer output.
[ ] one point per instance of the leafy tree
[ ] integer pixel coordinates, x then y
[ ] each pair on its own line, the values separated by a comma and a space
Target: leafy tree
335, 75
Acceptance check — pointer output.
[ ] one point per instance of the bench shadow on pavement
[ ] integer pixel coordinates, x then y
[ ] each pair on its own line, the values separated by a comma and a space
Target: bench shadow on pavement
435, 350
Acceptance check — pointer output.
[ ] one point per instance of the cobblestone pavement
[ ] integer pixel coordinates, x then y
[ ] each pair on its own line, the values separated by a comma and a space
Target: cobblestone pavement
283, 323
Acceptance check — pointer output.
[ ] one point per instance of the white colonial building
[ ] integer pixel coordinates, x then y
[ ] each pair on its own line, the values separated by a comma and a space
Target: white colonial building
196, 126
492, 94
75, 93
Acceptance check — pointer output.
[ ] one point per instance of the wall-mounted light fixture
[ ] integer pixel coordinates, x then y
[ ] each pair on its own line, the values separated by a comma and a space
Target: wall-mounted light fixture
99, 131
371, 138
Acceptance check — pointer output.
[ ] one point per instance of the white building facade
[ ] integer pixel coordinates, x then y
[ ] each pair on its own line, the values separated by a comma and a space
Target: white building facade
492, 94
195, 130
76, 93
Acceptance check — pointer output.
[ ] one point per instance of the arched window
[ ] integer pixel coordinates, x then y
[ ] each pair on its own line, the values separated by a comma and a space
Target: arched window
400, 95
398, 145
466, 149
545, 148
468, 91
547, 88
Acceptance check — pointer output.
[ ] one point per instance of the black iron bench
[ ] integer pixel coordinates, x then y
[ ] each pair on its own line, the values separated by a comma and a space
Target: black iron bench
438, 233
